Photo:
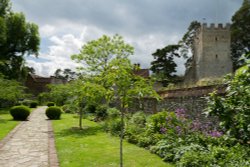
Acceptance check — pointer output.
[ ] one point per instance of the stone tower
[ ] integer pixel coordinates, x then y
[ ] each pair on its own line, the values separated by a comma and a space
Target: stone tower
212, 58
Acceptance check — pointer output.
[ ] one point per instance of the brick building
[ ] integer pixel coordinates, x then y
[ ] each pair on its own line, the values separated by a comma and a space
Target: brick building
37, 84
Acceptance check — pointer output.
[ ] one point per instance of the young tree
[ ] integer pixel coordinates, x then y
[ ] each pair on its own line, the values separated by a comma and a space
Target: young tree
240, 36
164, 66
126, 87
17, 39
106, 61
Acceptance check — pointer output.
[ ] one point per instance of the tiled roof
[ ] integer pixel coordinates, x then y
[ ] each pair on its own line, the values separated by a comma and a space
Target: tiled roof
142, 72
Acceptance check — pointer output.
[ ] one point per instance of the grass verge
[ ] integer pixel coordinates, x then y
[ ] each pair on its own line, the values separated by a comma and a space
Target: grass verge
6, 123
91, 147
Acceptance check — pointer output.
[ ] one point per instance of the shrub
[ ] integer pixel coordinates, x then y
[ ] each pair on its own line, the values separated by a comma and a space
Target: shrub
70, 108
33, 104
138, 119
91, 108
101, 112
26, 102
113, 126
53, 112
49, 104
233, 109
157, 121
20, 112
113, 113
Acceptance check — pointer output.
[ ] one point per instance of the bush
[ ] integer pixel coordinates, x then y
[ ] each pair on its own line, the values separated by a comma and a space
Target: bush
113, 113
53, 112
138, 119
101, 112
25, 102
49, 104
33, 104
91, 109
70, 108
20, 112
113, 126
233, 108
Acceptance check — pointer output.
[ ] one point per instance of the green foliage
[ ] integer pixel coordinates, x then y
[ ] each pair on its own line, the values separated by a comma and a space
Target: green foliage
10, 91
163, 65
70, 108
216, 156
58, 93
20, 112
240, 36
138, 119
233, 109
113, 126
91, 108
33, 104
66, 74
186, 43
113, 113
49, 104
53, 112
157, 121
101, 112
97, 53
17, 39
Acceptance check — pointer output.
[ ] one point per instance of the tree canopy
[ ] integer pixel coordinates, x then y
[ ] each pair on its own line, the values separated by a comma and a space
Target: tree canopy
17, 39
240, 35
66, 74
163, 65
96, 54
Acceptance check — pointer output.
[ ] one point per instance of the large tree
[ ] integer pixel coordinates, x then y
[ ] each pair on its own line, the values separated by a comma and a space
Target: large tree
66, 74
240, 33
186, 43
17, 39
164, 65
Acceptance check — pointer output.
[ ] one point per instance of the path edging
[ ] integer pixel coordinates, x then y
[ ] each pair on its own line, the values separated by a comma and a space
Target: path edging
53, 159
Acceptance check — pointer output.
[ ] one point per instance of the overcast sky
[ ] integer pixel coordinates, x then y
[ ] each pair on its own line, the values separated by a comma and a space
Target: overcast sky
66, 25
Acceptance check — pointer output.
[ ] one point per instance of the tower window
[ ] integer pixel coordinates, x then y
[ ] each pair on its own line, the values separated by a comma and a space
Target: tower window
216, 56
216, 39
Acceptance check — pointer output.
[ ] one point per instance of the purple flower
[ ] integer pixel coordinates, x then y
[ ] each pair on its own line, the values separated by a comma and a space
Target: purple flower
178, 130
180, 113
163, 130
215, 133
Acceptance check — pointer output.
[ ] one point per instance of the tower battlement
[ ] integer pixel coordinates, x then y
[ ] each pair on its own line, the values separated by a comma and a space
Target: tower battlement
213, 26
211, 52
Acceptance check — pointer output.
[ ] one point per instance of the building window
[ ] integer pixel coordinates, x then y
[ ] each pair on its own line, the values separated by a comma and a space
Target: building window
216, 56
216, 39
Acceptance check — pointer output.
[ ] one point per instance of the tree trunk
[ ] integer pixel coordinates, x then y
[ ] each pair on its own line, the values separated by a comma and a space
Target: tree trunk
121, 137
80, 119
81, 115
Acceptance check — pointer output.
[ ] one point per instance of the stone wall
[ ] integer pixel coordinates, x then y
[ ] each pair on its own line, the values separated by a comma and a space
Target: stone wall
211, 53
193, 100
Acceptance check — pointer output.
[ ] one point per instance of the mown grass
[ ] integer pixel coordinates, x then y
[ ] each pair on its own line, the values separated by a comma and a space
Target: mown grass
91, 147
6, 123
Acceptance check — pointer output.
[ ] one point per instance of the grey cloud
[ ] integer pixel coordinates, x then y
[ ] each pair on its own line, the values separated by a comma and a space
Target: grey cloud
140, 17
166, 20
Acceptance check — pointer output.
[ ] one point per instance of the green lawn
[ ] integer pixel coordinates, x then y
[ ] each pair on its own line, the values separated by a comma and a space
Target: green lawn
92, 147
6, 123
